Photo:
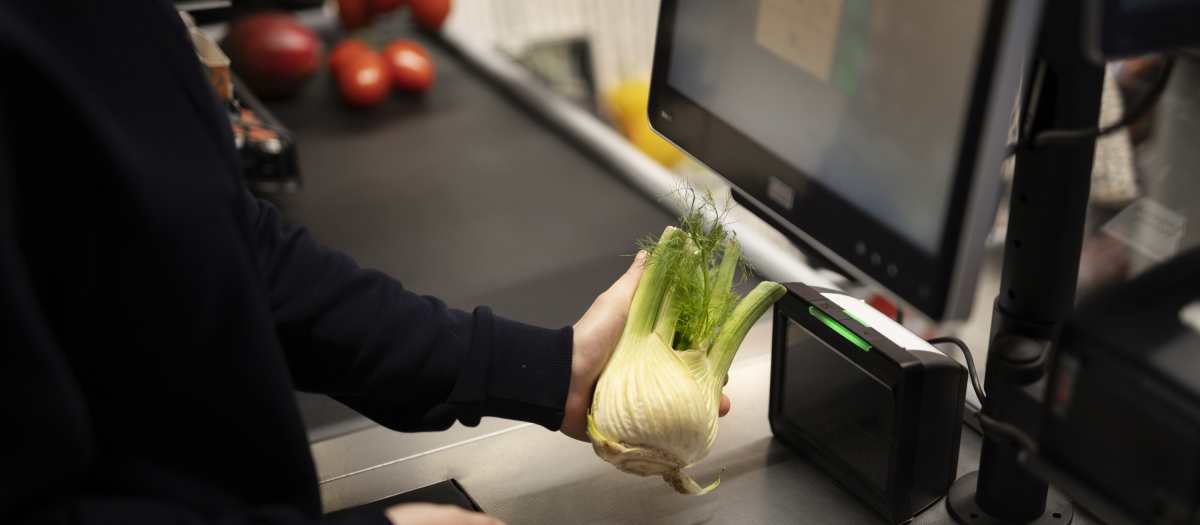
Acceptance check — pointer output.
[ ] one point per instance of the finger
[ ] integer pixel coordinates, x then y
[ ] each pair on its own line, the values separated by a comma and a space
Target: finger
639, 259
628, 282
724, 406
726, 380
621, 292
478, 518
467, 517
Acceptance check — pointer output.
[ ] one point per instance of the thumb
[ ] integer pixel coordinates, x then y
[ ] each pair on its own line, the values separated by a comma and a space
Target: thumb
621, 292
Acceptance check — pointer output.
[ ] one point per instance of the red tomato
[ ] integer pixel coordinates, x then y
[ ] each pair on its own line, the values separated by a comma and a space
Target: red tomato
341, 53
404, 43
364, 80
386, 6
410, 66
273, 52
430, 13
354, 13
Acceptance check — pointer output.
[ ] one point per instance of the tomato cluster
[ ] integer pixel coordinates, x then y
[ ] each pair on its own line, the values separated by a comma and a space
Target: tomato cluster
365, 77
429, 14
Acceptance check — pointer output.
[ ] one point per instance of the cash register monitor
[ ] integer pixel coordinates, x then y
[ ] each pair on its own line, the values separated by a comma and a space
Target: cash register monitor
874, 131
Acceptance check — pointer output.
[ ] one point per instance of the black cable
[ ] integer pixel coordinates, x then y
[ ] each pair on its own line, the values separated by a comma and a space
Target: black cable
1006, 434
970, 361
1135, 111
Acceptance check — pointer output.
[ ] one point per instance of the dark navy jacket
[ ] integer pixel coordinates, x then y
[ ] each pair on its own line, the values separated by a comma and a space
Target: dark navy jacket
155, 317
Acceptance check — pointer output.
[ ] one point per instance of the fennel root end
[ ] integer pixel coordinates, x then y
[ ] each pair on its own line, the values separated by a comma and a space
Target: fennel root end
686, 486
645, 460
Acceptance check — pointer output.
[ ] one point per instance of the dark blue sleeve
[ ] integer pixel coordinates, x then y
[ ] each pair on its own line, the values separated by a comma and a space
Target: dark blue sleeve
51, 460
407, 361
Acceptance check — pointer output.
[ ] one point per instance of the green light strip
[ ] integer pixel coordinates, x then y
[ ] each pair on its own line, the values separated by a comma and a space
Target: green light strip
837, 327
864, 323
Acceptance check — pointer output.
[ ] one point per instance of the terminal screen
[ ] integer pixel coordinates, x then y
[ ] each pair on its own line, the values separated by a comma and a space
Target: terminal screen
869, 98
838, 404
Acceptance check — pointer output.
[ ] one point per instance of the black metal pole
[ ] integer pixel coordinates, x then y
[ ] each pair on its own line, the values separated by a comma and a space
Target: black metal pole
1041, 264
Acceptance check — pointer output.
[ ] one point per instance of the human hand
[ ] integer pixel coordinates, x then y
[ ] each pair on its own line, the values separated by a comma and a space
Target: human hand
430, 514
596, 335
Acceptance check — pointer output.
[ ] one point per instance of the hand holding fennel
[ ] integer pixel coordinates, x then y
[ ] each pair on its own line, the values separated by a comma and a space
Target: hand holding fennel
656, 403
596, 334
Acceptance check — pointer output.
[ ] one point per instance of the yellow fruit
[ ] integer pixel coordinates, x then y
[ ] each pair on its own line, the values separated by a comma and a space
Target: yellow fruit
628, 102
627, 106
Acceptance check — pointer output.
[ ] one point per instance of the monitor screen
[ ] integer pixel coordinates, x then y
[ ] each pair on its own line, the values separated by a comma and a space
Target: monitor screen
871, 130
867, 97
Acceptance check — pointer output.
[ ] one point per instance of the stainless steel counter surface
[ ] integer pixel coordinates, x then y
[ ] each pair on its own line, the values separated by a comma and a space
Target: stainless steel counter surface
525, 474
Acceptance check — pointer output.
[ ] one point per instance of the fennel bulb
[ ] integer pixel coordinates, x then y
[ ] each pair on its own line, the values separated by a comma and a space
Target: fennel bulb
656, 402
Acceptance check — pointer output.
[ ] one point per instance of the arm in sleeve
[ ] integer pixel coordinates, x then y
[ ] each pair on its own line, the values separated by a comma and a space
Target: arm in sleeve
407, 361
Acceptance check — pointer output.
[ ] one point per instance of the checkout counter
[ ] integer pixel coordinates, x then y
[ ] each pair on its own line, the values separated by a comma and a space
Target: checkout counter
475, 195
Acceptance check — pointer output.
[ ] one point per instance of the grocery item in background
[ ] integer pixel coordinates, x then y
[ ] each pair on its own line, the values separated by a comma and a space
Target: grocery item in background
216, 64
364, 80
627, 108
272, 52
354, 14
410, 66
385, 6
564, 66
430, 13
357, 14
266, 148
343, 51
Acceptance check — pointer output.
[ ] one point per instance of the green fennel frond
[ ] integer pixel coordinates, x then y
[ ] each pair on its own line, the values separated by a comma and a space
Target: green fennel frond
701, 268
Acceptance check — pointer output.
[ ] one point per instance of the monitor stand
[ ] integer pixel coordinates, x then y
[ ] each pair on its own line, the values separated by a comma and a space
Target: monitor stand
1041, 263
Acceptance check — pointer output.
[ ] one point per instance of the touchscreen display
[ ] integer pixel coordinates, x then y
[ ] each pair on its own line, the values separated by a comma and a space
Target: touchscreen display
838, 404
867, 97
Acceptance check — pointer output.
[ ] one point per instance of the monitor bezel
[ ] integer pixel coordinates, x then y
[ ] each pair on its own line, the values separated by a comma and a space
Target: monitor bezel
940, 285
